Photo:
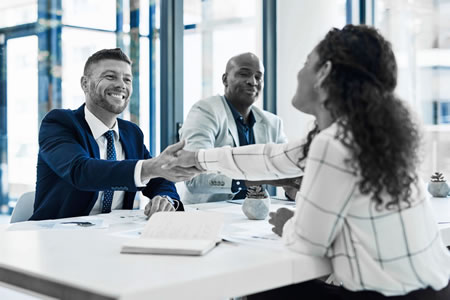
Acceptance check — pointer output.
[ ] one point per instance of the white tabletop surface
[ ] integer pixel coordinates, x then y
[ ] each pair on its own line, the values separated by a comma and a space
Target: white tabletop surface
442, 211
64, 262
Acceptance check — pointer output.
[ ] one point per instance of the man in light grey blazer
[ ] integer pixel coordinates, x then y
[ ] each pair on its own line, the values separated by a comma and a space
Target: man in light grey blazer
229, 120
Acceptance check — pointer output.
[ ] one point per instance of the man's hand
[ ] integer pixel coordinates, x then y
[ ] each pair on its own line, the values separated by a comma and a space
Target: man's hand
290, 192
185, 159
156, 204
279, 218
152, 168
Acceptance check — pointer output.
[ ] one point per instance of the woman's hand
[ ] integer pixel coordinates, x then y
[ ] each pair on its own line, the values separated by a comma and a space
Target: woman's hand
279, 218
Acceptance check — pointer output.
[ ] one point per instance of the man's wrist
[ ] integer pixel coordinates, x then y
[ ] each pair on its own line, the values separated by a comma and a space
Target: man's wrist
147, 170
175, 203
138, 174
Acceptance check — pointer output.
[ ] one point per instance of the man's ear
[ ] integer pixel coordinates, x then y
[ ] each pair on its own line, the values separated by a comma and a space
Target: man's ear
225, 79
84, 83
323, 72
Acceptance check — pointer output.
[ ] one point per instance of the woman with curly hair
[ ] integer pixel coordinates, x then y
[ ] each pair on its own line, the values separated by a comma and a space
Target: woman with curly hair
361, 203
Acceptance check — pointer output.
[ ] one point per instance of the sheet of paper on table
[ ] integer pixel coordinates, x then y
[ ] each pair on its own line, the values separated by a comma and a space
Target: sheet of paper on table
81, 223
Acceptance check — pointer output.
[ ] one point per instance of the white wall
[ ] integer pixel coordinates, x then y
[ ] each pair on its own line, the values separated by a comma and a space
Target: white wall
301, 24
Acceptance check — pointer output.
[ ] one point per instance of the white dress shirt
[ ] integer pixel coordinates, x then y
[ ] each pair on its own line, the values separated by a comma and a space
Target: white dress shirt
389, 251
98, 129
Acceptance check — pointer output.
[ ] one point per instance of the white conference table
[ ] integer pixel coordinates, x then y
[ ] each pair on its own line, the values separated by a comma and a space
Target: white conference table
85, 263
441, 208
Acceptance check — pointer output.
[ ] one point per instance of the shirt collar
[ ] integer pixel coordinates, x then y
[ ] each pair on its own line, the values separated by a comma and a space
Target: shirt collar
97, 127
238, 117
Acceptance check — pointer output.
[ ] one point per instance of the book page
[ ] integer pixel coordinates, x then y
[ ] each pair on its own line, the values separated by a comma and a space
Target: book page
166, 246
195, 225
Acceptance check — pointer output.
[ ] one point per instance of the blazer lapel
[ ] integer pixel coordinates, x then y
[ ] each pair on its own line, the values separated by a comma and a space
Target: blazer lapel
260, 128
128, 145
93, 146
260, 132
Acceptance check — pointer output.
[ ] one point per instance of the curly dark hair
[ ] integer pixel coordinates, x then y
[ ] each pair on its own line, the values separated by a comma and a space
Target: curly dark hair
374, 124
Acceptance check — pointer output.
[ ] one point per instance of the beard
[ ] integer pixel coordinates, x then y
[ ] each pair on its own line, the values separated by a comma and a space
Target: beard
101, 101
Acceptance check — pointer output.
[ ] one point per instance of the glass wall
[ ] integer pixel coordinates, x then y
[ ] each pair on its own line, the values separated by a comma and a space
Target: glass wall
215, 31
149, 113
17, 12
22, 114
86, 13
420, 34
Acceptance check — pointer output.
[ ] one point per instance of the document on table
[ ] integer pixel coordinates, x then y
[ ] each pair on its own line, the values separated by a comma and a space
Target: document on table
180, 233
259, 232
125, 216
81, 223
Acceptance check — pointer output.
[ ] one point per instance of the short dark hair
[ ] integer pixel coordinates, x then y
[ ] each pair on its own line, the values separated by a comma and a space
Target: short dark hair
115, 53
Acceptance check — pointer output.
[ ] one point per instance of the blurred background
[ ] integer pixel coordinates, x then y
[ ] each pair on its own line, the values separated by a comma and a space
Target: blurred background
180, 48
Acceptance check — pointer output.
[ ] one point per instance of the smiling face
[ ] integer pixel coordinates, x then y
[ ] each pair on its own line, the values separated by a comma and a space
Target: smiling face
243, 79
108, 86
306, 98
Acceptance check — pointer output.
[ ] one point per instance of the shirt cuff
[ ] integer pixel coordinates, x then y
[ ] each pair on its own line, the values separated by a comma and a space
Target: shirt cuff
201, 158
137, 175
237, 186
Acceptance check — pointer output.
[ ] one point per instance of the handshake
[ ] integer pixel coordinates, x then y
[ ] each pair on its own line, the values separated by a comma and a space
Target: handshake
174, 164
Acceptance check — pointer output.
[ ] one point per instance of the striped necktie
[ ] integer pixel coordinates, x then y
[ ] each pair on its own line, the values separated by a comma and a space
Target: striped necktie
110, 155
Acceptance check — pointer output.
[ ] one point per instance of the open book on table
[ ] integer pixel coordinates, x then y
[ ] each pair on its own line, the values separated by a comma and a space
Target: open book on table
178, 233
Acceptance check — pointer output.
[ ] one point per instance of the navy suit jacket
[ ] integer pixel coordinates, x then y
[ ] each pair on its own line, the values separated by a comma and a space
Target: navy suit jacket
70, 172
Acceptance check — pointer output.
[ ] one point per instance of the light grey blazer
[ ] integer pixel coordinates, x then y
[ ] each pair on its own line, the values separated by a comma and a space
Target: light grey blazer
210, 124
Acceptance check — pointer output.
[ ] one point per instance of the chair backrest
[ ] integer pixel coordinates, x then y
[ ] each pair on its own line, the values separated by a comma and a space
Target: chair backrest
181, 189
24, 208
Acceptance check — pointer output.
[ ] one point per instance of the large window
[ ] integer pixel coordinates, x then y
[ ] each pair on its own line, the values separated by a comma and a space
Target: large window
88, 13
215, 31
17, 12
22, 114
149, 113
420, 34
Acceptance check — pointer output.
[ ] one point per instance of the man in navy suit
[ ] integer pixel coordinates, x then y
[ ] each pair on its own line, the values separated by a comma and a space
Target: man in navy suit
90, 161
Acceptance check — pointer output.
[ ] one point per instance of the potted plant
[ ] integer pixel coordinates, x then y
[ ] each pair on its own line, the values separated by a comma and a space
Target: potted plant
257, 203
438, 186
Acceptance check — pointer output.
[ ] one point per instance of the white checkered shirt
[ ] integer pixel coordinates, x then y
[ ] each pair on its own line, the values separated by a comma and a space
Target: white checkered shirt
389, 251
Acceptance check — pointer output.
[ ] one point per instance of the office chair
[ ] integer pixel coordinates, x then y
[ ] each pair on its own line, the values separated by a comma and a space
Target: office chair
181, 189
24, 208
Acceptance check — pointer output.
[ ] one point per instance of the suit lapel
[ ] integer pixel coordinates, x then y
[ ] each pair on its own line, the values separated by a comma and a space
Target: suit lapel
260, 132
93, 146
260, 129
129, 147
128, 144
